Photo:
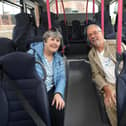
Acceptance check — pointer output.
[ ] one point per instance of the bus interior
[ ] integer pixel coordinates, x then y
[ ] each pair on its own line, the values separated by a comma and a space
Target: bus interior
23, 22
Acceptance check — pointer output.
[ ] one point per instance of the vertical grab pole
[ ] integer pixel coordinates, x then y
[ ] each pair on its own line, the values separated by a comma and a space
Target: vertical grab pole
87, 12
57, 12
120, 90
119, 33
48, 14
93, 7
64, 12
102, 16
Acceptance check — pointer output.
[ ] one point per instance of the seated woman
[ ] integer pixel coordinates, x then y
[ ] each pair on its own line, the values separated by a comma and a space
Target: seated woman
46, 53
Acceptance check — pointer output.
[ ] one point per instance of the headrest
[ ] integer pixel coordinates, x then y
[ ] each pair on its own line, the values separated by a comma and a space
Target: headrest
75, 22
22, 19
89, 22
124, 17
124, 60
6, 46
18, 65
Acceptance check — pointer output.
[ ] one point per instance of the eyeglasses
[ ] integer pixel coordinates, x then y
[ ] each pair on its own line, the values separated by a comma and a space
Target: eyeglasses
93, 33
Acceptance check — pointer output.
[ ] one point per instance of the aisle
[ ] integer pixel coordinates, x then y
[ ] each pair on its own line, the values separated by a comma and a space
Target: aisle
81, 103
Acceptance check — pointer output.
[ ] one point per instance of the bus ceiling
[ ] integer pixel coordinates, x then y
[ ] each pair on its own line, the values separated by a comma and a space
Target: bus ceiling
106, 2
41, 2
31, 3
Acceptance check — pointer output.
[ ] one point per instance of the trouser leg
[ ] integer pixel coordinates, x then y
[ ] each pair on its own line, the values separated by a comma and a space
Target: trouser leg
112, 111
112, 114
57, 116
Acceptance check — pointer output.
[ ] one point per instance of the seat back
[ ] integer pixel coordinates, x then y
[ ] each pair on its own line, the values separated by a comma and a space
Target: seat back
121, 93
64, 31
123, 26
76, 30
109, 32
25, 31
21, 67
6, 46
85, 28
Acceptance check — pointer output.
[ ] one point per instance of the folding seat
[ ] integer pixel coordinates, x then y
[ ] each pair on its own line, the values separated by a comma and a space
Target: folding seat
20, 67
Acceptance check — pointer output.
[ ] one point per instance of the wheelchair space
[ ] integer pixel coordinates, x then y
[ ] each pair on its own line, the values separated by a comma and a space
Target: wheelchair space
82, 108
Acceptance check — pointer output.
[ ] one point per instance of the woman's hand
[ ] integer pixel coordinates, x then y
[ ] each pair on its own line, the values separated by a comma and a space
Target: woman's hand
58, 101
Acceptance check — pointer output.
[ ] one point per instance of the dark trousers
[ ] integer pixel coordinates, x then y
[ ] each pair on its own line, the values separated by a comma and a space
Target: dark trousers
57, 117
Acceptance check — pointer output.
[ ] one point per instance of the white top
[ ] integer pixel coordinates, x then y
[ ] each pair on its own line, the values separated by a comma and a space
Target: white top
108, 67
49, 70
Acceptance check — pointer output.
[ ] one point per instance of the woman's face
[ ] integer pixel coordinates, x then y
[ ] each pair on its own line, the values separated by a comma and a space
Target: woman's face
52, 44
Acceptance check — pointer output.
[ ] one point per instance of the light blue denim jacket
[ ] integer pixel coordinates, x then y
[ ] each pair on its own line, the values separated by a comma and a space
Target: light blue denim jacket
58, 67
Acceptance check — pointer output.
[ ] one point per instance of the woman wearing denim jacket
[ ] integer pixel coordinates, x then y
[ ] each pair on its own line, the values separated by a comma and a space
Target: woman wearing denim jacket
46, 52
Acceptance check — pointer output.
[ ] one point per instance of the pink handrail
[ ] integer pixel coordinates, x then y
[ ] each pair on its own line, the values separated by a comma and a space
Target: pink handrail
63, 12
48, 14
102, 16
119, 33
93, 7
57, 12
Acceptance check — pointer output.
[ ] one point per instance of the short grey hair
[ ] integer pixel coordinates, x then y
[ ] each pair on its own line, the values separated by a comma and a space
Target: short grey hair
99, 29
54, 33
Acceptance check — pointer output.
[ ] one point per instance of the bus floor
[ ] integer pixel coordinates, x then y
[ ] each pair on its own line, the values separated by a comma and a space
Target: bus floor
82, 108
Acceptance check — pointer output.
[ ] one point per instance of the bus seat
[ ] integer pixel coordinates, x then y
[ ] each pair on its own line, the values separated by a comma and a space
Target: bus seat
54, 20
109, 32
109, 29
20, 67
121, 91
123, 26
64, 31
25, 32
85, 28
22, 31
97, 18
76, 30
123, 20
78, 49
6, 46
22, 27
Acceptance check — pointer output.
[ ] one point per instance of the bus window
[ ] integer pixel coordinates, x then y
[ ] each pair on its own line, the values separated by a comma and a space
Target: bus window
7, 19
113, 11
